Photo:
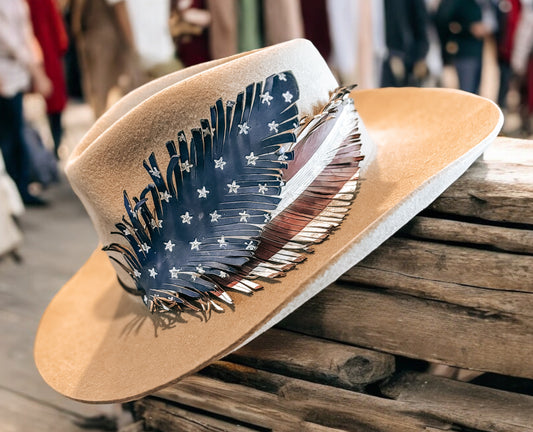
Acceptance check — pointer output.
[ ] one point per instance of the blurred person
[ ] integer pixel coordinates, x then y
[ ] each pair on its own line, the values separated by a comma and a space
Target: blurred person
106, 49
462, 31
50, 32
522, 62
20, 68
508, 18
150, 21
406, 36
357, 32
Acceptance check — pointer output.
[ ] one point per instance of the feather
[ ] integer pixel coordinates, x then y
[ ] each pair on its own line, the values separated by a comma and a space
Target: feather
245, 197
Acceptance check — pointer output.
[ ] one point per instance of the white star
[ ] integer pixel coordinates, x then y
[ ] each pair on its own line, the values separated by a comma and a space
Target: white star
164, 196
202, 193
222, 242
233, 186
215, 216
251, 159
144, 248
273, 126
267, 217
244, 216
169, 245
282, 77
193, 276
230, 103
223, 274
156, 224
155, 172
186, 218
262, 188
195, 244
181, 137
174, 273
136, 273
127, 232
186, 166
153, 273
283, 157
206, 132
243, 128
265, 97
287, 96
219, 163
134, 214
250, 245
200, 269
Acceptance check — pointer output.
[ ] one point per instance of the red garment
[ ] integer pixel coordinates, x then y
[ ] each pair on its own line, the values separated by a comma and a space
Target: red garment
50, 32
193, 50
507, 30
316, 26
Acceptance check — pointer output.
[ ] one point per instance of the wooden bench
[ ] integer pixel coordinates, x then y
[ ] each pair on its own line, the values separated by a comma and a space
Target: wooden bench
454, 287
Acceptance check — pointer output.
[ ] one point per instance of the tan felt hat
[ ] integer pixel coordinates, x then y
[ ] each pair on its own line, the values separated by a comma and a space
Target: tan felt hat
207, 185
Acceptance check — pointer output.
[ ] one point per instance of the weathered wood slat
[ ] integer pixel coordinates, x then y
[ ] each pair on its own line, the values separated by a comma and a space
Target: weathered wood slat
314, 359
293, 403
513, 305
505, 239
455, 264
494, 191
510, 150
160, 415
464, 404
420, 328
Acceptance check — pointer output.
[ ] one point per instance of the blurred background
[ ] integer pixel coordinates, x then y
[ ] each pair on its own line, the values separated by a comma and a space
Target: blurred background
64, 62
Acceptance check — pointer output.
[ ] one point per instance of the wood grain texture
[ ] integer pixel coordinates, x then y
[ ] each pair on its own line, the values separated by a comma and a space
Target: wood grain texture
494, 191
452, 231
295, 405
452, 264
466, 405
161, 415
416, 326
315, 360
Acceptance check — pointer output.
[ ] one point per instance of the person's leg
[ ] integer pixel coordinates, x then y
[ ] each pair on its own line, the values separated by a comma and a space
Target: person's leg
505, 78
54, 120
12, 141
469, 73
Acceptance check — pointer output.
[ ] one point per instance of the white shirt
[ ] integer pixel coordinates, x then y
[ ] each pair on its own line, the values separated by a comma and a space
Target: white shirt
150, 27
16, 47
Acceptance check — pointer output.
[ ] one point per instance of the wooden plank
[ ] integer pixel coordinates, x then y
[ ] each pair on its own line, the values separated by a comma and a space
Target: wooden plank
502, 238
455, 264
293, 403
492, 191
315, 359
162, 416
418, 327
513, 305
510, 150
464, 404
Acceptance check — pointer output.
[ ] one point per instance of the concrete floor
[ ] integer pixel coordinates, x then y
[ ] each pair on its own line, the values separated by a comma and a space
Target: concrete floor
57, 240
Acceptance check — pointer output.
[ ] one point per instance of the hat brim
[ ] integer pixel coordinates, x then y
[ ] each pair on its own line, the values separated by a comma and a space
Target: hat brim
96, 343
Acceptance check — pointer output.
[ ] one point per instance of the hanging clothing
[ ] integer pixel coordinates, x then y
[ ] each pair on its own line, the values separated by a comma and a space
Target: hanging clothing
250, 25
223, 38
357, 31
50, 32
282, 21
193, 49
316, 25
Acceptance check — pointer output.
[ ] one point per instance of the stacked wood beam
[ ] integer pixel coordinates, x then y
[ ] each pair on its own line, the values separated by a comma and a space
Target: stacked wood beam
454, 287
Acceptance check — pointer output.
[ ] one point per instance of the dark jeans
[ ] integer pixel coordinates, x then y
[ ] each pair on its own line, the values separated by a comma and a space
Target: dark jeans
469, 73
12, 143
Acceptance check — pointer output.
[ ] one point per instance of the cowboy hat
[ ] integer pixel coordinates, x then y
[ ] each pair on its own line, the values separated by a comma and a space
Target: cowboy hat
190, 183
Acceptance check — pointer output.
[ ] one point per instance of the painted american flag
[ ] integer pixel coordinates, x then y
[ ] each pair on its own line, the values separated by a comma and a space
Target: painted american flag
242, 198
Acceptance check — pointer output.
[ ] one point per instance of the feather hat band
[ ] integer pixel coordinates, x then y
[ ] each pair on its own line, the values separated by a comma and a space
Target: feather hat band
207, 186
